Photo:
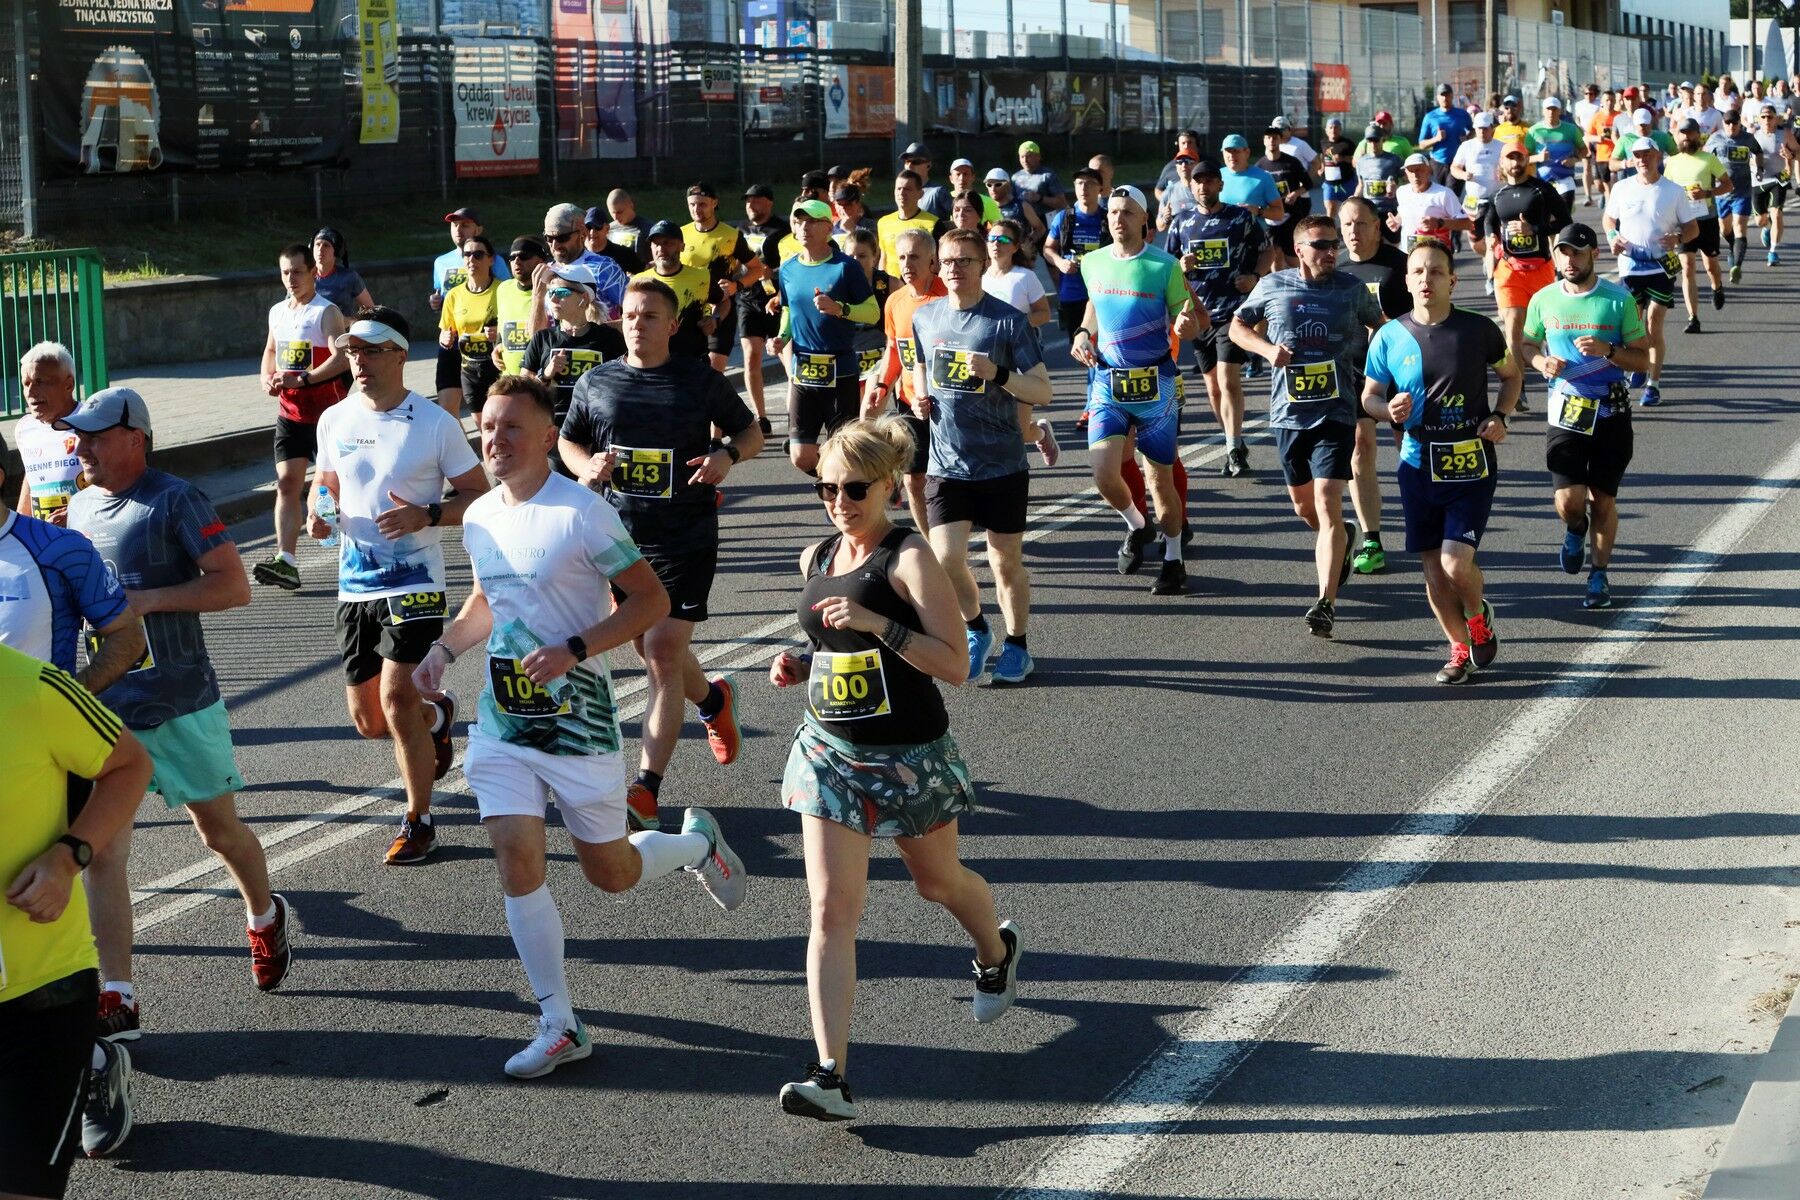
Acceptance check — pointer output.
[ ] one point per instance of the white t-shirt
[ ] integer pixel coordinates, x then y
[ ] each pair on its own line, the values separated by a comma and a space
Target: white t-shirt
1645, 213
51, 469
1297, 147
1710, 120
1416, 206
1019, 287
1584, 111
1482, 161
409, 450
545, 567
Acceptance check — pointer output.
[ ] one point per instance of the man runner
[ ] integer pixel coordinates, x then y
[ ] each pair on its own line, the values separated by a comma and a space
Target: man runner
52, 472
1647, 218
1735, 147
513, 303
1771, 173
1523, 215
1705, 178
1477, 167
1382, 268
756, 324
919, 285
695, 290
721, 251
906, 215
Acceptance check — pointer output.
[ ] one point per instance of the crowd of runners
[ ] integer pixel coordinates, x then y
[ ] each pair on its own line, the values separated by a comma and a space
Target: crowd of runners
918, 407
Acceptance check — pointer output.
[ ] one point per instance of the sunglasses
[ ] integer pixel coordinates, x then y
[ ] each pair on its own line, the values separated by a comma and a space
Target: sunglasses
999, 239
856, 489
559, 237
558, 295
1324, 247
472, 255
516, 255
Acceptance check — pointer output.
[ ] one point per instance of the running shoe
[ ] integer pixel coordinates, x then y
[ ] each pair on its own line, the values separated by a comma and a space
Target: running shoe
1487, 286
1350, 543
1692, 326
722, 874
1321, 617
822, 1095
981, 643
1774, 259
1237, 462
1171, 579
413, 844
1370, 558
1484, 643
1718, 298
1460, 666
640, 808
277, 571
270, 955
997, 986
722, 727
118, 1021
1131, 550
1599, 592
440, 741
1047, 444
1651, 396
551, 1048
1523, 406
1572, 551
762, 423
1737, 272
1014, 665
106, 1116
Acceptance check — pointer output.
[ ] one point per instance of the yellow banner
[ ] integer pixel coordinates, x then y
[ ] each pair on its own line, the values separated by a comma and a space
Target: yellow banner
380, 72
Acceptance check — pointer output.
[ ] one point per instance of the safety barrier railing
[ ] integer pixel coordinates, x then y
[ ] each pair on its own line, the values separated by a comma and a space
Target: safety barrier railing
54, 296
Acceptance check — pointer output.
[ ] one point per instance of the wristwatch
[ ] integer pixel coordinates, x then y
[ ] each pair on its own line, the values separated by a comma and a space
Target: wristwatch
434, 512
84, 853
1501, 417
736, 454
577, 647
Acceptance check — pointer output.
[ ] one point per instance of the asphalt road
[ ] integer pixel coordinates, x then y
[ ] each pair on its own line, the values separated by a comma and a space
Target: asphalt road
1300, 922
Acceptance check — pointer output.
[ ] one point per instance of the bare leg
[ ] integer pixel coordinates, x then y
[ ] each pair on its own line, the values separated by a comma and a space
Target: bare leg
951, 545
290, 503
837, 882
1012, 582
941, 878
675, 678
109, 906
1605, 510
1365, 483
223, 832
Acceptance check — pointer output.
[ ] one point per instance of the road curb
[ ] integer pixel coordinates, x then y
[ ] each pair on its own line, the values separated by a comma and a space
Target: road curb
1762, 1157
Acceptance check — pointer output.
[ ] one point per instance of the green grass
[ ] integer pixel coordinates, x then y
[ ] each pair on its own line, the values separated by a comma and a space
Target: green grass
140, 249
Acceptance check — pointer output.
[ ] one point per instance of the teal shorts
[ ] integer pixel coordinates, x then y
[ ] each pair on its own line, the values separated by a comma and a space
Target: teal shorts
880, 791
192, 756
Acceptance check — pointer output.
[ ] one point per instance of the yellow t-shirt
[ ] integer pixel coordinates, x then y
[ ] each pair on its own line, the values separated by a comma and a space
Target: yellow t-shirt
470, 314
1511, 131
702, 249
691, 285
888, 230
1701, 169
50, 728
512, 309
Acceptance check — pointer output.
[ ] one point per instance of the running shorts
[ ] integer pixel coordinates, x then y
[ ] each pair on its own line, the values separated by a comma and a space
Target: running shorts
1774, 196
1656, 288
1069, 314
1596, 461
449, 367
1157, 431
46, 1045
879, 791
1602, 169
1444, 512
996, 505
477, 377
1517, 280
813, 412
686, 572
192, 757
368, 635
1215, 346
723, 339
921, 432
755, 323
296, 439
1735, 205
1325, 451
510, 780
1337, 193
1706, 238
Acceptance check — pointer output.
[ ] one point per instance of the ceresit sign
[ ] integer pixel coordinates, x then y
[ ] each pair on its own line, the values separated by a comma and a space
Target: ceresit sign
1002, 111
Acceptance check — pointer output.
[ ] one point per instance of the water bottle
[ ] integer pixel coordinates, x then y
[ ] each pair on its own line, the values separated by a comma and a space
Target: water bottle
326, 507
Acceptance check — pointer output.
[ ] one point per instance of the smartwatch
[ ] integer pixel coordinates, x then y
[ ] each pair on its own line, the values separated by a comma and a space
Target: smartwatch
577, 647
434, 512
84, 853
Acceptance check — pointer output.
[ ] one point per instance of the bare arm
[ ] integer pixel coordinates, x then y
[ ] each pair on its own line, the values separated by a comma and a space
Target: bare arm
121, 645
221, 585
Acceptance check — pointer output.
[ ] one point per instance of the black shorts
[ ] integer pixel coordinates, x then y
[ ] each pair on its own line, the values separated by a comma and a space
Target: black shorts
1325, 451
1283, 235
996, 505
1069, 314
723, 338
477, 377
296, 439
755, 323
1602, 169
815, 411
921, 431
1651, 289
367, 635
1763, 199
1215, 346
449, 367
686, 569
1595, 461
1440, 173
1480, 217
1706, 238
46, 1045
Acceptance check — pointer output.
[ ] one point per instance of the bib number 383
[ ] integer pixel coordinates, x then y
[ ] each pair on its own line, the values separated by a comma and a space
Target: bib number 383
517, 696
1458, 462
847, 687
417, 606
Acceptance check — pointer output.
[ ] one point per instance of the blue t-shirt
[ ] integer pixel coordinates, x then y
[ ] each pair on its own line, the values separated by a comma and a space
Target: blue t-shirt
342, 287
813, 332
1252, 188
1445, 368
447, 270
1075, 233
1317, 321
1228, 242
1457, 127
974, 424
51, 580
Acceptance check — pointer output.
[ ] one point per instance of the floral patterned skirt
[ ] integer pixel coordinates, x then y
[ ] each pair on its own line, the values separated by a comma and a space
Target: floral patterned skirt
881, 791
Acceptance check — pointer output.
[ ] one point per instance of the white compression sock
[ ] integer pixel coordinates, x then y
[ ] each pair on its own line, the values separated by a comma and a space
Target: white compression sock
666, 852
1134, 520
1172, 548
537, 933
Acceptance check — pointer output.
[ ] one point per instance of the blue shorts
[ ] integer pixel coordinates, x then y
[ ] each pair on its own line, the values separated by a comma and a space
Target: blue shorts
1338, 192
192, 757
1444, 512
1735, 205
1158, 430
1323, 452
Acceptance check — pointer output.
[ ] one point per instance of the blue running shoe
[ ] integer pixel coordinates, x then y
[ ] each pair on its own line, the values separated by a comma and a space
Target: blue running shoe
1599, 595
1014, 665
980, 643
1651, 397
1573, 550
1774, 258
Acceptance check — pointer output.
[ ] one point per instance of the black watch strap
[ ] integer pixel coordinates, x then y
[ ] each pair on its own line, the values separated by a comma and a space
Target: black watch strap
434, 512
578, 648
736, 454
84, 853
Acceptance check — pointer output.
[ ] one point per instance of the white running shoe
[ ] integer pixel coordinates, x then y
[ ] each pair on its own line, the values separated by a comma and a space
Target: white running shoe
996, 987
822, 1095
722, 874
551, 1048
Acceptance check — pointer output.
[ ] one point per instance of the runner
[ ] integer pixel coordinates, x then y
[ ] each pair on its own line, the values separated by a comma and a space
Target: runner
1138, 300
560, 356
1601, 143
906, 215
1291, 183
1179, 198
1647, 218
1595, 105
1223, 251
545, 552
470, 322
1423, 209
933, 198
756, 325
52, 472
513, 304
1643, 123
1074, 231
1378, 178
1526, 212
1384, 138
167, 547
1442, 132
963, 182
1187, 142
873, 756
720, 251
919, 285
306, 377
1335, 167
999, 188
384, 460
1428, 369
870, 341
1771, 171
975, 358
641, 427
1312, 341
1736, 147
1705, 178
1556, 146
824, 296
695, 289
1382, 269
965, 212
1582, 334
627, 228
1245, 185
565, 238
51, 731
1035, 183
1477, 166
338, 281
1010, 277
1510, 127
847, 217
596, 224
448, 270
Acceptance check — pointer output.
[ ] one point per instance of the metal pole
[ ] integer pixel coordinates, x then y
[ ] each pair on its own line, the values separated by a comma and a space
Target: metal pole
1435, 80
909, 74
1490, 22
27, 130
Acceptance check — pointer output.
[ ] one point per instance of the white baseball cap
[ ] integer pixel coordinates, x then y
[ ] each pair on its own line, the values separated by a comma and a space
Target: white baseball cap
1126, 191
1552, 102
1644, 116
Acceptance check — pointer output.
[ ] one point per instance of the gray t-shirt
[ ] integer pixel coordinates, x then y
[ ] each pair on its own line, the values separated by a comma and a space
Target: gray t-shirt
1319, 322
974, 424
1043, 183
1379, 175
152, 535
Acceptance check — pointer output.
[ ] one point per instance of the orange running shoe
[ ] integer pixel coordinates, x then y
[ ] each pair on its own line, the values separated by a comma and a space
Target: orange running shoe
722, 729
640, 808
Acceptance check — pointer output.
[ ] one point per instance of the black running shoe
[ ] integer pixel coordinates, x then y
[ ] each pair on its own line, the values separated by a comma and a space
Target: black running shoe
1171, 580
1718, 297
762, 423
1693, 325
1131, 550
1321, 617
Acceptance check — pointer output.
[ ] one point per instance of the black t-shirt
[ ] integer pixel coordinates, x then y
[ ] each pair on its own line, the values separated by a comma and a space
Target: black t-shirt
657, 419
1291, 181
1538, 205
1385, 277
629, 260
588, 349
1340, 150
764, 242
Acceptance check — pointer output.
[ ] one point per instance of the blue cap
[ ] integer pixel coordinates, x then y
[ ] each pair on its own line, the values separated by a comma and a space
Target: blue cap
663, 229
108, 408
1234, 141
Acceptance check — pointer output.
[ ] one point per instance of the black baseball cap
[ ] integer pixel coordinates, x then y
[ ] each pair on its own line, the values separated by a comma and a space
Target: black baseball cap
462, 214
663, 229
528, 245
915, 150
1578, 236
759, 191
1688, 126
596, 218
703, 188
838, 172
848, 193
1207, 166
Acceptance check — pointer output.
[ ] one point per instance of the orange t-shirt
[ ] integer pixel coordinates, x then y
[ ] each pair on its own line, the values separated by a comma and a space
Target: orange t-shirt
896, 320
1600, 127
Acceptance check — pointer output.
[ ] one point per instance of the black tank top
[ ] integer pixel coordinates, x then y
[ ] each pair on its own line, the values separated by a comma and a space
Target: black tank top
860, 690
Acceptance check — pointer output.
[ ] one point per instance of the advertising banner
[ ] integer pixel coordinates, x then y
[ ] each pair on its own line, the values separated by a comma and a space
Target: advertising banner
135, 85
1089, 104
1012, 100
833, 82
380, 70
1056, 102
1193, 99
494, 102
953, 101
871, 101
1331, 87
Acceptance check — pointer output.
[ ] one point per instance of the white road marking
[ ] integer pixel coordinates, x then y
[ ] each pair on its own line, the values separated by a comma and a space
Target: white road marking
1208, 1046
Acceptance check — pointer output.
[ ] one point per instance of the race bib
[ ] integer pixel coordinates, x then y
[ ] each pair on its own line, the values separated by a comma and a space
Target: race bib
815, 370
1739, 154
1458, 462
1671, 264
147, 662
1209, 253
1134, 385
417, 606
868, 360
293, 356
1081, 248
847, 687
1311, 382
644, 474
952, 371
1333, 174
1471, 203
1575, 413
581, 362
1375, 187
517, 696
1374, 288
475, 345
1521, 241
46, 504
515, 336
909, 353
454, 277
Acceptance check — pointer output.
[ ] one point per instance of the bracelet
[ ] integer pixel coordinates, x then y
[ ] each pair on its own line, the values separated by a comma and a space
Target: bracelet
448, 653
1001, 375
897, 636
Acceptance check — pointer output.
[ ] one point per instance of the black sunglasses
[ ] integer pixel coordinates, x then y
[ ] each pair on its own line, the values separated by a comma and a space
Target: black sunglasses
856, 489
1324, 247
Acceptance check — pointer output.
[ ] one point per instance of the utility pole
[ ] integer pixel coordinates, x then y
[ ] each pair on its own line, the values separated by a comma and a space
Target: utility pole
1490, 24
909, 74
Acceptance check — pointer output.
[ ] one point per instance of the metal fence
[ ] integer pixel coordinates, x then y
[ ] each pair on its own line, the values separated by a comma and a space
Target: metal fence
12, 126
53, 297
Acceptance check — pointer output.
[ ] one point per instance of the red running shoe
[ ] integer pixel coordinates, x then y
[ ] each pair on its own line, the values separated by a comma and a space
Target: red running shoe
722, 729
270, 956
